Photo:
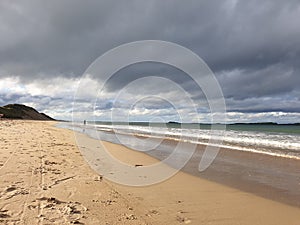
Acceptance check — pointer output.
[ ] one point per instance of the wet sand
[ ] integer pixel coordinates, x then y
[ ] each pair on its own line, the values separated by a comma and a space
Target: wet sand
45, 180
272, 177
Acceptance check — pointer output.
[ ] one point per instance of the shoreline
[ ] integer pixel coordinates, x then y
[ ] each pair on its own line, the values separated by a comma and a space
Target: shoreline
272, 177
265, 175
270, 151
48, 181
193, 197
123, 153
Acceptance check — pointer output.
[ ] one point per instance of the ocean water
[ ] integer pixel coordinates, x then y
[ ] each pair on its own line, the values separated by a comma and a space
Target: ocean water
270, 139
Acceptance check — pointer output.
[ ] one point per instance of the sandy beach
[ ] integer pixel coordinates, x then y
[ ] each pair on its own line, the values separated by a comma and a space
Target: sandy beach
46, 180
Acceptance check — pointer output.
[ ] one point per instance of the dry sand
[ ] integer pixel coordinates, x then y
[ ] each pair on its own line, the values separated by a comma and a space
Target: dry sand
45, 180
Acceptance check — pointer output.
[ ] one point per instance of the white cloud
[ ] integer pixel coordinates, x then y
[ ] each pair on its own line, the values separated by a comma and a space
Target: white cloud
58, 102
12, 85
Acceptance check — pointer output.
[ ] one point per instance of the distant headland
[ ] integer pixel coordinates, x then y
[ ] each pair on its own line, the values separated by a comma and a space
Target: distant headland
18, 111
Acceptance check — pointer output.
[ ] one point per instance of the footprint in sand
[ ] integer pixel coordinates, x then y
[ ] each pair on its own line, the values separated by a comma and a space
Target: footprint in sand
184, 220
108, 202
98, 178
4, 214
130, 217
152, 213
56, 211
47, 162
12, 191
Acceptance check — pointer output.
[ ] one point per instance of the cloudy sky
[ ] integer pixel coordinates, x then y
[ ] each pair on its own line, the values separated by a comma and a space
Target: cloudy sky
252, 47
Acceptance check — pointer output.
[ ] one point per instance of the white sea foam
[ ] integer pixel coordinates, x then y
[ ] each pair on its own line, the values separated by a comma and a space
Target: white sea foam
275, 144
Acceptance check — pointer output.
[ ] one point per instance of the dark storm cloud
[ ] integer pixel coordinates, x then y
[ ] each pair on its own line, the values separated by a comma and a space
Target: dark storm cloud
146, 69
104, 105
252, 46
271, 81
258, 105
154, 104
